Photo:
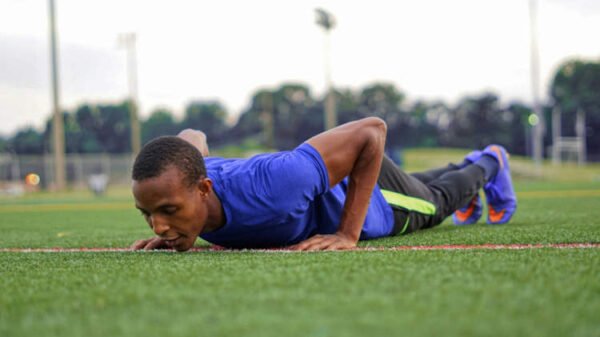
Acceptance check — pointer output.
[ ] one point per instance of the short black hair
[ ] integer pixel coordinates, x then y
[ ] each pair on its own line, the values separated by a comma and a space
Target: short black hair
160, 153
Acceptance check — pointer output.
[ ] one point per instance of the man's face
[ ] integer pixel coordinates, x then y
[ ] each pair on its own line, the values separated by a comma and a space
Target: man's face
176, 212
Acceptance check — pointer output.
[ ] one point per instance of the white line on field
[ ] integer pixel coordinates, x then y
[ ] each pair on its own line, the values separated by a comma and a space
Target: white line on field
516, 246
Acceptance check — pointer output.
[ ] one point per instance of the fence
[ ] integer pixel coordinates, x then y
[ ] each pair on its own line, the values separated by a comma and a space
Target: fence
79, 168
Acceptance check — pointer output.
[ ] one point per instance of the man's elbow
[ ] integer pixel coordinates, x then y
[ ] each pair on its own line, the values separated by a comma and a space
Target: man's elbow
196, 138
382, 126
376, 130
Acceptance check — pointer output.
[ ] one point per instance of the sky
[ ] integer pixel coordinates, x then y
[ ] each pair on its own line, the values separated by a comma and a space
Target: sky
226, 50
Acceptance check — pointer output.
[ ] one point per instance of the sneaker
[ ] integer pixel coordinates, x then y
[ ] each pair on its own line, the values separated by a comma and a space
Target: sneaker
473, 156
499, 192
469, 214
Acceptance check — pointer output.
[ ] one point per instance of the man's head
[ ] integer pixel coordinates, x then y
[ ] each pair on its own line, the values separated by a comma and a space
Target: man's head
171, 190
163, 152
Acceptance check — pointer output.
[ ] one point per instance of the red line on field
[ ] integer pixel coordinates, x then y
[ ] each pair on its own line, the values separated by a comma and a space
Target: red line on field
515, 246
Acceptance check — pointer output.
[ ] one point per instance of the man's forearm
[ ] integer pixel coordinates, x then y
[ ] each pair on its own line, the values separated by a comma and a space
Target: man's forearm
362, 180
353, 150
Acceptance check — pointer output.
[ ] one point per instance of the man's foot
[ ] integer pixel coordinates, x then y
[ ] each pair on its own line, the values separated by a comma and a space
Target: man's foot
499, 192
472, 157
469, 214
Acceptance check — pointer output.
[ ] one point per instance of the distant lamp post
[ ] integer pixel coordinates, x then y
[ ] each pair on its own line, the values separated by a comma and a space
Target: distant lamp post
128, 41
536, 120
58, 133
327, 22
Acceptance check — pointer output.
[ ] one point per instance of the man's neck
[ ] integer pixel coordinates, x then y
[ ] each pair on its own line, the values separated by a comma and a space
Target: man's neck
216, 215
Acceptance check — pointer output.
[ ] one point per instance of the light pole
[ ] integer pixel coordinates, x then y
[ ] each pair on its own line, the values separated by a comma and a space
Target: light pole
128, 42
327, 22
538, 126
58, 133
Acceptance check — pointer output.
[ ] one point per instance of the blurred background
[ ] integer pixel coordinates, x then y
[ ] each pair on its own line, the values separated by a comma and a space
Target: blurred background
84, 83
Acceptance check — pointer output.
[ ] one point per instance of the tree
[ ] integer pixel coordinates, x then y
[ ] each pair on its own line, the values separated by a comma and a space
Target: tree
520, 130
381, 100
384, 100
3, 144
87, 118
575, 86
115, 129
291, 110
28, 141
477, 122
420, 128
76, 139
160, 123
290, 102
105, 128
347, 105
208, 116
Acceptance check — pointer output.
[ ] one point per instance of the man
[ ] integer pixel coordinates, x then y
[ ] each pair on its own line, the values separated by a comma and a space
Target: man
330, 192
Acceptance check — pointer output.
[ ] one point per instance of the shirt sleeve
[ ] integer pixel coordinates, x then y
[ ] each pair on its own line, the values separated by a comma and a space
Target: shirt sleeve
294, 178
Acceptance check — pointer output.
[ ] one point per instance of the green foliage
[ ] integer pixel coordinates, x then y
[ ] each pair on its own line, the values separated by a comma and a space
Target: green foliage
474, 121
346, 101
27, 141
96, 128
160, 123
518, 128
381, 100
288, 108
3, 144
290, 104
208, 117
576, 86
478, 121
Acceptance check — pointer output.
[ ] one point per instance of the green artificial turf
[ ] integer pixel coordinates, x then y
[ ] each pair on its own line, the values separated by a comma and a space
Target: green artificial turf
542, 292
546, 292
568, 212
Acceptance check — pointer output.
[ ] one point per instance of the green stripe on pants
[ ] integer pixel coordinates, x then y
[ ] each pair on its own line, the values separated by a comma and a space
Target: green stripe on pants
408, 203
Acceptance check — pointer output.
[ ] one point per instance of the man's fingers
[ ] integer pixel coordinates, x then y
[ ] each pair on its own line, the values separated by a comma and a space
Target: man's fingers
327, 244
148, 244
155, 243
319, 246
306, 244
318, 243
139, 244
340, 246
324, 242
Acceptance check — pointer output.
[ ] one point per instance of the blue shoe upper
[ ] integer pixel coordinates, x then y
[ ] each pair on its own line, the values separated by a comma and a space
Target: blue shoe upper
473, 156
499, 191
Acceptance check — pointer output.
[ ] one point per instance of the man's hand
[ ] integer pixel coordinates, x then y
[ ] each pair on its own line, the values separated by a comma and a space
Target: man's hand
149, 244
336, 241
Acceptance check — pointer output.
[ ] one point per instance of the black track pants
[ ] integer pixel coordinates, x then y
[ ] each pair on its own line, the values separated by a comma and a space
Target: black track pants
423, 200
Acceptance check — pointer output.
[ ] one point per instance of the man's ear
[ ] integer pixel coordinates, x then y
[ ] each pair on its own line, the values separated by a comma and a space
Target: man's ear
205, 186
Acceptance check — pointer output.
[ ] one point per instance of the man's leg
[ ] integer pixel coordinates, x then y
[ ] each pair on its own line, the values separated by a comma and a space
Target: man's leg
428, 176
418, 205
471, 211
433, 174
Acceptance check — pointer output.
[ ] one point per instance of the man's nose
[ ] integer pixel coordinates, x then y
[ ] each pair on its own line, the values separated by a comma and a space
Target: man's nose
159, 225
